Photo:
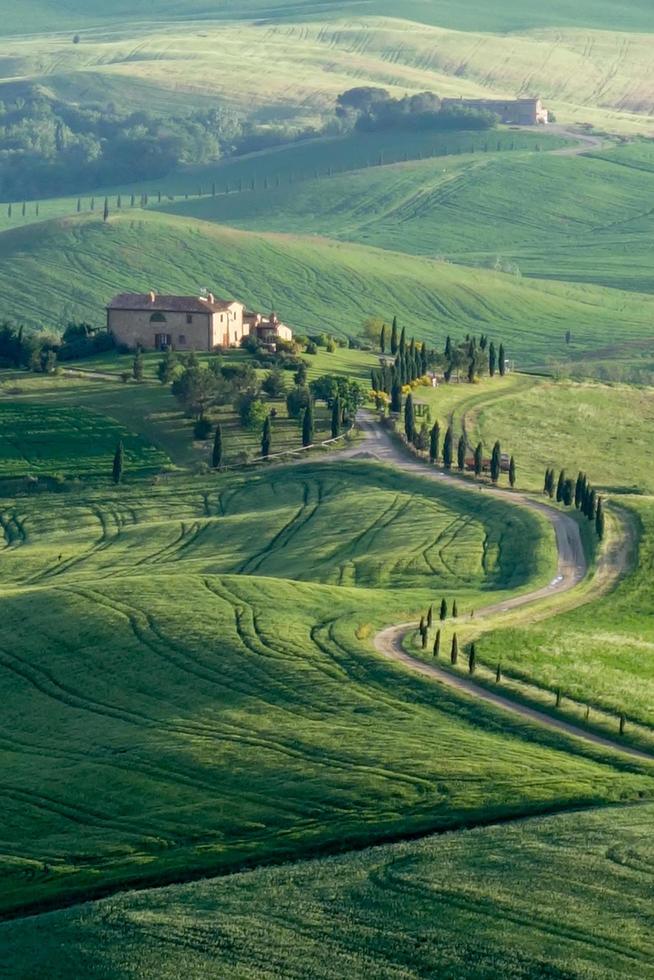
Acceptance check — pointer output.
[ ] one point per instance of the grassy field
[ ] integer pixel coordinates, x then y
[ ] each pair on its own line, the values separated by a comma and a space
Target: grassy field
445, 906
582, 219
177, 661
41, 440
315, 284
162, 58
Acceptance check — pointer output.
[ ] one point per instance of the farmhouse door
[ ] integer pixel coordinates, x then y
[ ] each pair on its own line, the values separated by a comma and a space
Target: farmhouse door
162, 340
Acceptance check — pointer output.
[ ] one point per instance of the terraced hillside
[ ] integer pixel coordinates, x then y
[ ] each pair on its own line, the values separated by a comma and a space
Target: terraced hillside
315, 284
411, 910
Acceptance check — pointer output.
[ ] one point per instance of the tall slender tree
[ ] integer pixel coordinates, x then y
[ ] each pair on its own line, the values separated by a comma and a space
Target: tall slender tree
396, 396
492, 360
502, 360
137, 365
454, 652
512, 474
479, 459
105, 212
448, 448
496, 462
382, 339
266, 437
599, 519
119, 459
437, 643
409, 419
401, 347
336, 418
455, 609
443, 611
307, 426
434, 440
217, 451
394, 336
461, 453
472, 659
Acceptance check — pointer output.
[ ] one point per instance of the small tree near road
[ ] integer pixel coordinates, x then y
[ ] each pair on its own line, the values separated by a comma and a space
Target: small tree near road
119, 458
307, 426
217, 452
266, 437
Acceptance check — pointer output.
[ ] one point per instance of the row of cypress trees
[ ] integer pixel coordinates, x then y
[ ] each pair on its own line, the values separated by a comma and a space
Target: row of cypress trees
577, 492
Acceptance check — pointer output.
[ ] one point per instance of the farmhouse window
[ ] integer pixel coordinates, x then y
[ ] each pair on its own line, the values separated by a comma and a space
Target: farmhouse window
189, 318
162, 340
157, 318
181, 339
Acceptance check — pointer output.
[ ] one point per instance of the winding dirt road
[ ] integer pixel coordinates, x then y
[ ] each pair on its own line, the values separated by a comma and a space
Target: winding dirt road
571, 569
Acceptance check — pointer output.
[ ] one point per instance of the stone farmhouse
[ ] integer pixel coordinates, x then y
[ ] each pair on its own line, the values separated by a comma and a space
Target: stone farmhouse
518, 112
156, 322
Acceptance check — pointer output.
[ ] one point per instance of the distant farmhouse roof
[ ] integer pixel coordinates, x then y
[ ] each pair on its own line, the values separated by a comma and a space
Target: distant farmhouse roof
169, 304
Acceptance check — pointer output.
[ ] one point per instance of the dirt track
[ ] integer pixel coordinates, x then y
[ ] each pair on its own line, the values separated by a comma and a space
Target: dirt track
572, 568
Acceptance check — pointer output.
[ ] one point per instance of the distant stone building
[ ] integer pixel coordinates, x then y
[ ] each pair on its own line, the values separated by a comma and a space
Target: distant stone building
518, 112
155, 322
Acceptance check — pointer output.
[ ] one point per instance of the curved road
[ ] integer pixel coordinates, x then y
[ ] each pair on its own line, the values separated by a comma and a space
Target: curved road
572, 568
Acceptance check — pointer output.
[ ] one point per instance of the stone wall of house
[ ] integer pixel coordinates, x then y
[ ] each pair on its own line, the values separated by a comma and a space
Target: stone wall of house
138, 328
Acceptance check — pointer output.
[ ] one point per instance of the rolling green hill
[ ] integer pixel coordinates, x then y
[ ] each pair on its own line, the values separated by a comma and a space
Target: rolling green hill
445, 906
581, 218
62, 270
189, 681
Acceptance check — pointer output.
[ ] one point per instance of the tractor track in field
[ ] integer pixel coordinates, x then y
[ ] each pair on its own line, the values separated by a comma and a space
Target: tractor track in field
571, 570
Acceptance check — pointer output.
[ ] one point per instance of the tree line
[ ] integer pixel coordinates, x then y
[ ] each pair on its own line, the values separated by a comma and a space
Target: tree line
578, 493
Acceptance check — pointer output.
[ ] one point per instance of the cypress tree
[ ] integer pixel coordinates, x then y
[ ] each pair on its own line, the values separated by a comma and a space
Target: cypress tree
105, 212
137, 365
479, 459
455, 610
472, 659
79, 206
402, 344
382, 339
591, 505
448, 348
118, 463
502, 360
437, 643
307, 426
599, 519
266, 437
447, 448
454, 652
512, 472
579, 489
421, 627
559, 487
558, 697
498, 673
496, 462
409, 419
434, 440
217, 452
423, 358
425, 638
568, 493
92, 204
471, 372
461, 453
492, 360
396, 397
551, 484
443, 610
336, 418
430, 617
622, 724
394, 336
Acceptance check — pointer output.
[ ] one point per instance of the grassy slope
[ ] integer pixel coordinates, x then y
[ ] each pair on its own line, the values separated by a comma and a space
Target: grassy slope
135, 664
315, 284
583, 218
599, 653
39, 439
156, 62
445, 906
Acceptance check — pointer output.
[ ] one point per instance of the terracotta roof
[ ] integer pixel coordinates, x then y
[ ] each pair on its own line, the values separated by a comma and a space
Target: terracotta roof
167, 304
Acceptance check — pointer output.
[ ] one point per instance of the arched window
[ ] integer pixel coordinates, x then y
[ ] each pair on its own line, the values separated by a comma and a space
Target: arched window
157, 318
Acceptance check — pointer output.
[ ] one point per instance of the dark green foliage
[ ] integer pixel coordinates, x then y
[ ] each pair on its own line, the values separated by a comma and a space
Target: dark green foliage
202, 429
496, 462
274, 383
492, 360
498, 674
396, 397
512, 473
297, 400
461, 453
448, 448
479, 459
394, 342
137, 365
382, 339
336, 418
105, 213
502, 360
168, 367
434, 442
300, 376
568, 492
454, 652
623, 722
401, 347
472, 659
217, 452
559, 487
430, 617
421, 439
443, 610
307, 426
580, 487
117, 471
266, 437
558, 697
437, 643
455, 609
409, 419
599, 519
